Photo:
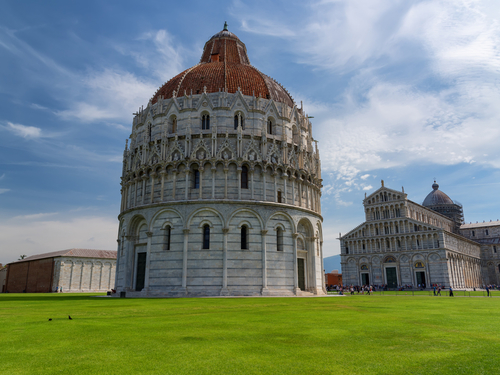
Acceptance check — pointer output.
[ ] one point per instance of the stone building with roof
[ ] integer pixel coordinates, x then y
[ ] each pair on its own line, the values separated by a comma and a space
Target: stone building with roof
405, 243
73, 270
221, 186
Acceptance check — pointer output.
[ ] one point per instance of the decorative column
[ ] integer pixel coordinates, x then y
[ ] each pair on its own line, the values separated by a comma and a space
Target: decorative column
186, 193
275, 187
251, 181
153, 175
295, 265
163, 174
136, 180
148, 260
185, 259
174, 182
293, 189
264, 262
225, 182
143, 192
264, 184
214, 171
224, 291
285, 178
239, 183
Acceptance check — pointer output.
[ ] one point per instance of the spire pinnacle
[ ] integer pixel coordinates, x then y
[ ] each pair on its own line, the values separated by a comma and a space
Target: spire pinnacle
225, 26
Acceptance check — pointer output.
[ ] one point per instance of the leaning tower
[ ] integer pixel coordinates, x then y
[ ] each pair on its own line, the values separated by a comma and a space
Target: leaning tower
221, 186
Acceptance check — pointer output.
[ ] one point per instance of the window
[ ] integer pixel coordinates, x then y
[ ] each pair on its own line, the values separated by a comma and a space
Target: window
364, 248
397, 229
244, 177
279, 197
173, 126
376, 231
206, 236
279, 239
269, 127
346, 250
196, 179
415, 227
486, 232
494, 249
398, 212
244, 237
205, 122
239, 120
167, 237
473, 234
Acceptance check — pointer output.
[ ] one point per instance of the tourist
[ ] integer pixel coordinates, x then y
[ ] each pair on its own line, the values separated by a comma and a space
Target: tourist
434, 289
487, 291
451, 292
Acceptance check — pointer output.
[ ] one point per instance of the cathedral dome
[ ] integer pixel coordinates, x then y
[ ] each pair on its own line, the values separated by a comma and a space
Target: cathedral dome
224, 66
436, 197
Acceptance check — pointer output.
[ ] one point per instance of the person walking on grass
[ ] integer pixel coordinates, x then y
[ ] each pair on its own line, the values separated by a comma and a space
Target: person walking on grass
439, 290
451, 292
434, 290
487, 291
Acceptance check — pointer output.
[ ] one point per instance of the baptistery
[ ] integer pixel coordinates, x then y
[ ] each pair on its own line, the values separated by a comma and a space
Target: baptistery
221, 186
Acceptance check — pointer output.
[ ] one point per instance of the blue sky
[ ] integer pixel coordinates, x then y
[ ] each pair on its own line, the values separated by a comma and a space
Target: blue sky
404, 91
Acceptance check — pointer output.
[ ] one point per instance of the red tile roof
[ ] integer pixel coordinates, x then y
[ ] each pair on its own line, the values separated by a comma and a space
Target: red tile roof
224, 66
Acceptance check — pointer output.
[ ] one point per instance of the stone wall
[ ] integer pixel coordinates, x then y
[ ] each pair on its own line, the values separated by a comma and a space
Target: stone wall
84, 274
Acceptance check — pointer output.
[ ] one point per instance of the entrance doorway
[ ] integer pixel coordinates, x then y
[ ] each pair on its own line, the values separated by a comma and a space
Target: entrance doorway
365, 279
421, 278
141, 271
301, 273
391, 277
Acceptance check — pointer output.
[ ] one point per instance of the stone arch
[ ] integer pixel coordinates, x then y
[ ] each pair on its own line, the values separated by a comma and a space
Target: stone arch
241, 210
217, 213
164, 211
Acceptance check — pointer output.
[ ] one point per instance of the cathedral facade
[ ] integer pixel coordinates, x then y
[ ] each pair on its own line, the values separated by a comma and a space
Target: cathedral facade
220, 186
405, 243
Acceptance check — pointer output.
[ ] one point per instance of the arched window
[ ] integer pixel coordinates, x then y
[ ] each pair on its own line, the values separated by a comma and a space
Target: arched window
206, 236
196, 179
173, 125
494, 249
279, 239
244, 177
269, 126
150, 129
205, 122
279, 196
239, 120
244, 237
167, 237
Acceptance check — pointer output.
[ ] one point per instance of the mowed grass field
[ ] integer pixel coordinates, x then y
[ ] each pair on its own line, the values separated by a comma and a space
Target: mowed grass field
330, 335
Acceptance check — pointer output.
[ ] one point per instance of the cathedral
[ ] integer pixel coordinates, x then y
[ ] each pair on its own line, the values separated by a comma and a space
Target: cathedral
405, 243
221, 186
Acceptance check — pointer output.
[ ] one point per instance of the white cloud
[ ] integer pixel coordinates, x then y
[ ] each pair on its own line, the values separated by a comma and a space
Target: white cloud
23, 130
4, 191
2, 177
34, 216
369, 187
365, 176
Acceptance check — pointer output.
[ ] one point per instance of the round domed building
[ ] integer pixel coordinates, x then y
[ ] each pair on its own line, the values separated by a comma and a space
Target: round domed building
221, 186
440, 202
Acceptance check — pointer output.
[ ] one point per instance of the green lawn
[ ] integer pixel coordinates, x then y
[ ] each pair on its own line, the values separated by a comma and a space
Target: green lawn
332, 335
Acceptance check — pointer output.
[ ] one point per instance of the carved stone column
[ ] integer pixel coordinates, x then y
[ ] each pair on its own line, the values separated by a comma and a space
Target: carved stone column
239, 183
174, 183
185, 258
148, 260
224, 291
200, 171
186, 193
264, 262
226, 170
214, 171
153, 175
295, 265
163, 174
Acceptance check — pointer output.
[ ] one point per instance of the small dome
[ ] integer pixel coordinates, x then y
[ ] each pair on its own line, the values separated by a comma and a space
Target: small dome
436, 197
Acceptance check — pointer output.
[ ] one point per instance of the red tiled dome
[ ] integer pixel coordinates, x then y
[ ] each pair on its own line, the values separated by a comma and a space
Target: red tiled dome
224, 66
